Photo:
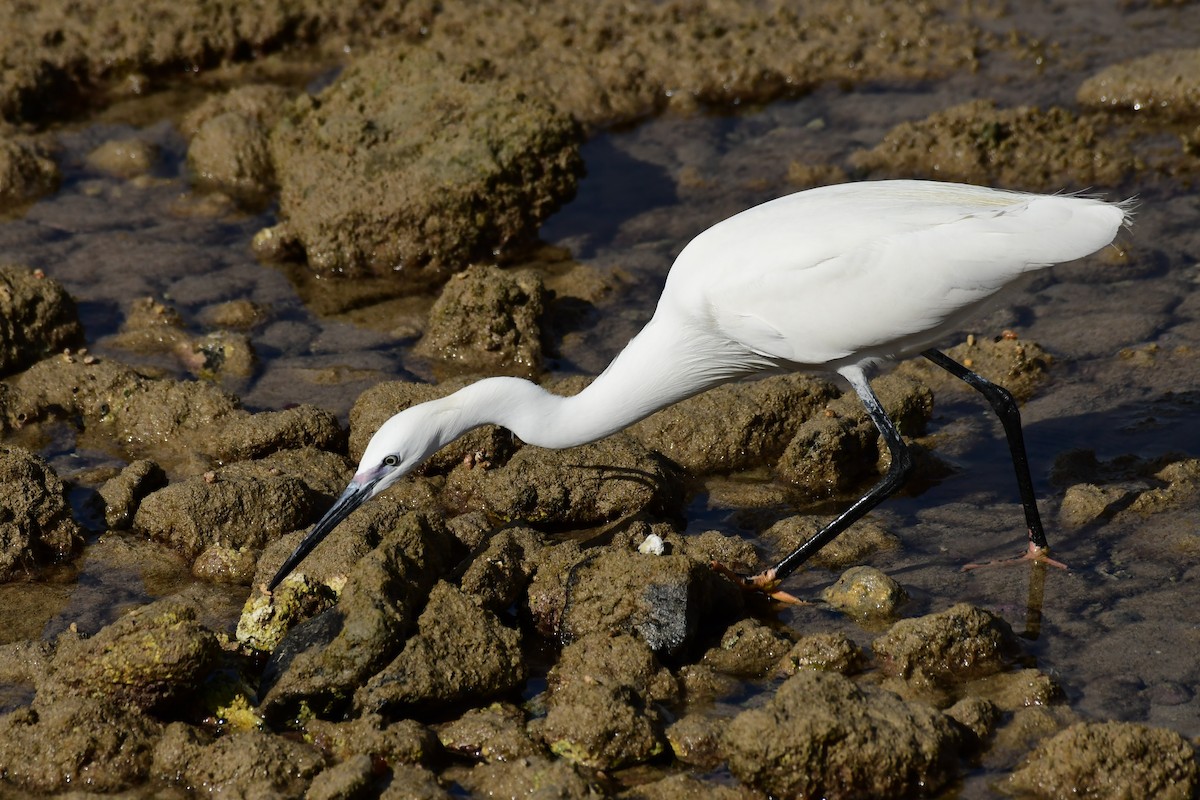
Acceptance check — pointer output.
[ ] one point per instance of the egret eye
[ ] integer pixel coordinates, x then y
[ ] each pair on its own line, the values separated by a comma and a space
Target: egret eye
391, 461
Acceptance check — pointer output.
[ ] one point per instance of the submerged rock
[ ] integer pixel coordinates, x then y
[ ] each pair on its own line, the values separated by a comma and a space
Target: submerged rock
488, 320
1110, 759
27, 171
36, 525
1163, 83
823, 736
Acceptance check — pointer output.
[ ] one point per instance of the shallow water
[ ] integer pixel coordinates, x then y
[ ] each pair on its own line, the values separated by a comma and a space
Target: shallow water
1118, 630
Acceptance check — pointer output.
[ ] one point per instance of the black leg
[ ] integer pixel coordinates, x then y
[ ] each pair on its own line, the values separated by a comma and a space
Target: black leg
1010, 417
899, 471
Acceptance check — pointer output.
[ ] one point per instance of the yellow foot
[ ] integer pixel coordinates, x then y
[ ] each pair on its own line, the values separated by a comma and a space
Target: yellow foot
764, 582
1033, 554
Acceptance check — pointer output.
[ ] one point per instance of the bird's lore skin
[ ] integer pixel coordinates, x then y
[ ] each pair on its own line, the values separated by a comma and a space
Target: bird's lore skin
837, 279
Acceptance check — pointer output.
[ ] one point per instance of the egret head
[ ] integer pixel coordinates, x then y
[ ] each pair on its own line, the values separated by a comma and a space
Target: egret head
399, 446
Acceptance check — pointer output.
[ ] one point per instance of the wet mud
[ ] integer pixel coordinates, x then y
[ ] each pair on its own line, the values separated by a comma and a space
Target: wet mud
238, 238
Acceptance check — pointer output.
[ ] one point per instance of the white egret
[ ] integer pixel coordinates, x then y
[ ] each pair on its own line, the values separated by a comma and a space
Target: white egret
837, 279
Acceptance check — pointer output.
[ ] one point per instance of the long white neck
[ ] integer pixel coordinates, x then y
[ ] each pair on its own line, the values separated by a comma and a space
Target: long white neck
662, 365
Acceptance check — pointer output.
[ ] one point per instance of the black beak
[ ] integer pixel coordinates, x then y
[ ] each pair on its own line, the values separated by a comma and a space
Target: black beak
352, 498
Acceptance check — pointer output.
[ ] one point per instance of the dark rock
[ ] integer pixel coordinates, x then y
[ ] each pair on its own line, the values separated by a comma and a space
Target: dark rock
27, 171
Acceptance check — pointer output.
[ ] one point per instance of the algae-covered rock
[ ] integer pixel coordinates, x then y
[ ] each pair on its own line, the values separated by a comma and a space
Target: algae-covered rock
831, 652
736, 426
408, 167
866, 593
403, 741
834, 450
27, 171
151, 659
1025, 147
256, 435
1163, 83
74, 742
823, 736
1020, 366
576, 487
321, 663
601, 710
959, 643
748, 649
488, 320
37, 317
852, 546
1110, 759
487, 444
239, 764
35, 519
460, 652
495, 733
122, 493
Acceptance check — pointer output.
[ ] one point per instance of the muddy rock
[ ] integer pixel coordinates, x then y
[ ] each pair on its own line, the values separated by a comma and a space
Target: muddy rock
406, 167
498, 576
76, 742
36, 525
682, 787
151, 659
576, 488
230, 152
1021, 367
237, 508
695, 740
1027, 148
960, 643
1163, 83
410, 782
321, 662
222, 356
238, 314
495, 733
460, 652
333, 560
600, 711
350, 778
124, 158
128, 407
121, 494
151, 326
393, 743
736, 426
662, 599
256, 435
1110, 759
976, 715
838, 447
865, 593
748, 649
1010, 691
853, 546
488, 444
532, 776
831, 652
27, 171
240, 764
488, 320
37, 317
823, 736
